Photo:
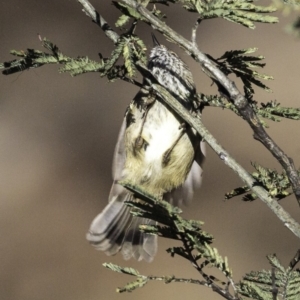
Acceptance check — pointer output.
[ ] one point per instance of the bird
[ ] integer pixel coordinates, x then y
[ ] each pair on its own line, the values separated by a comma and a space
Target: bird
157, 151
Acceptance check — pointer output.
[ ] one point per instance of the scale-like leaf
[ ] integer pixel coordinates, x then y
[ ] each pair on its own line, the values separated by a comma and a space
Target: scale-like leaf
261, 285
277, 185
243, 12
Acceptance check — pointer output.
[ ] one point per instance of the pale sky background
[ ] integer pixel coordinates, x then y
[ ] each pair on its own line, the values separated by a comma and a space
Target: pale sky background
57, 137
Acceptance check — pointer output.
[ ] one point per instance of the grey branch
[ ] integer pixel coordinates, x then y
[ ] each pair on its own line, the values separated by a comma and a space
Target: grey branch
196, 123
91, 12
236, 97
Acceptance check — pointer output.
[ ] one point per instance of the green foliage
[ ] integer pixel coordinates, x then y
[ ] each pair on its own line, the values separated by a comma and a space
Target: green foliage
278, 283
271, 110
277, 185
241, 64
196, 243
243, 12
35, 58
80, 66
142, 280
129, 287
128, 12
128, 271
238, 62
129, 48
196, 249
122, 21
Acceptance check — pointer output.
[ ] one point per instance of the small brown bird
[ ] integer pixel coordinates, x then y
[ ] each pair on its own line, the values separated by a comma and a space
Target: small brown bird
155, 150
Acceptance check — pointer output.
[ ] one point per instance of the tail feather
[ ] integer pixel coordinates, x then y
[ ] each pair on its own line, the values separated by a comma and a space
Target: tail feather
137, 244
115, 229
105, 232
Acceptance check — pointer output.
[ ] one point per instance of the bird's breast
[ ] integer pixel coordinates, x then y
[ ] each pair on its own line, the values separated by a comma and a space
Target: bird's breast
161, 130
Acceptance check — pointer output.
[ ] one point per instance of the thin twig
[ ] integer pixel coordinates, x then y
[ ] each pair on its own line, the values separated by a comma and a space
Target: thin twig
196, 123
194, 33
209, 282
236, 97
91, 12
214, 287
274, 287
295, 260
175, 279
132, 81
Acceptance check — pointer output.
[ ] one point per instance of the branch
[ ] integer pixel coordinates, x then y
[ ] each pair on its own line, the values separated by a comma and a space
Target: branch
196, 123
295, 260
142, 280
236, 97
91, 12
240, 103
195, 244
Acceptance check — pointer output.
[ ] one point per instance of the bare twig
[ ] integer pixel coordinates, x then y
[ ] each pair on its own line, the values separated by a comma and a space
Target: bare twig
196, 123
194, 32
295, 260
274, 287
132, 81
236, 97
91, 12
170, 279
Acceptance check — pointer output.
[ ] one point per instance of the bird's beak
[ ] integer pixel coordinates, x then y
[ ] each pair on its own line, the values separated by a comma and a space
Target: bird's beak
155, 41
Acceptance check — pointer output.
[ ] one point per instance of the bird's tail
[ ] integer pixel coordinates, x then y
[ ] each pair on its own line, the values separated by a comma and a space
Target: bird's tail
115, 229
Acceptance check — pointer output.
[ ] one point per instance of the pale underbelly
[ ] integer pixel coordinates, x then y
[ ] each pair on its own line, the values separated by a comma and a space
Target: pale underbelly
145, 167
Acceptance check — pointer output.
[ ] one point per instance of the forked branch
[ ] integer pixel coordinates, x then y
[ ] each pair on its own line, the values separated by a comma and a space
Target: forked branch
237, 99
235, 95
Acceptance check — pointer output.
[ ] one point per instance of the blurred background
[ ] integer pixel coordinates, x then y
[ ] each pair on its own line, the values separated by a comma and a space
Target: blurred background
57, 136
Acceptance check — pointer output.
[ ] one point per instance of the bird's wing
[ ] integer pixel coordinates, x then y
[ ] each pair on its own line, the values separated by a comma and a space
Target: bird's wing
115, 229
184, 194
